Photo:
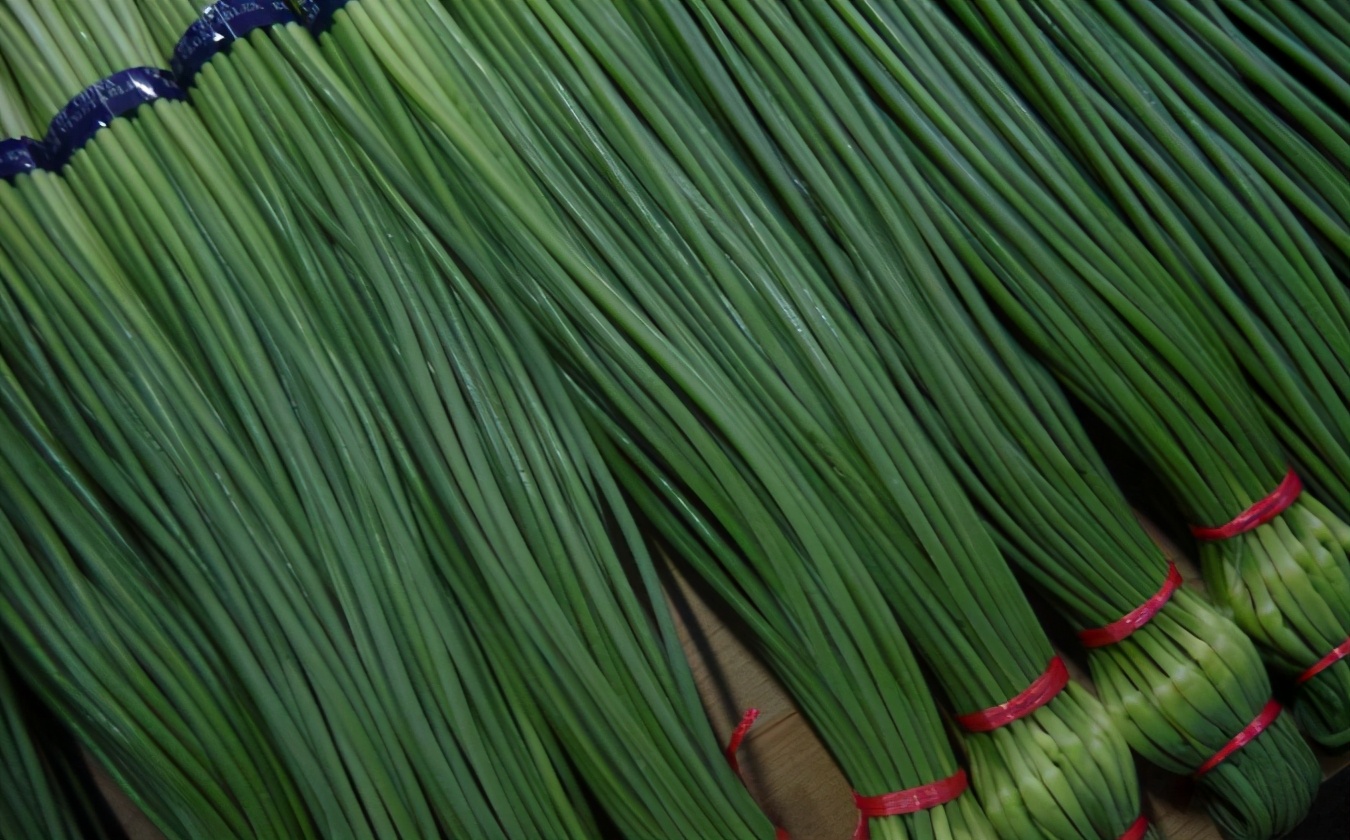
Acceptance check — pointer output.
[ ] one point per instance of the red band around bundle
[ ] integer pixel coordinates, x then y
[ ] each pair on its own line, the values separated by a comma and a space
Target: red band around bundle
737, 736
733, 746
1337, 654
1137, 831
907, 801
1258, 514
1119, 630
1040, 692
1246, 736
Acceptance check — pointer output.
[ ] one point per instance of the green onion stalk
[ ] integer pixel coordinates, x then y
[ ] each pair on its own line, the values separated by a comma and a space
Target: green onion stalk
121, 658
937, 592
1297, 55
494, 442
47, 788
1066, 280
13, 113
852, 667
1213, 121
1187, 681
748, 299
114, 648
749, 513
141, 448
261, 476
1180, 190
1180, 140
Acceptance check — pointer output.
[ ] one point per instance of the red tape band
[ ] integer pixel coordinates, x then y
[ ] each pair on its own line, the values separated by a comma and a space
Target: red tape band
1041, 691
733, 746
1246, 736
1137, 831
1121, 629
1258, 514
1337, 654
907, 801
737, 736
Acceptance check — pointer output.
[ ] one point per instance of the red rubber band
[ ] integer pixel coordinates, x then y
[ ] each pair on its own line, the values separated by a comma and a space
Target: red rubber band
734, 744
1041, 691
1137, 831
1246, 736
737, 736
1337, 654
1119, 630
907, 801
1258, 514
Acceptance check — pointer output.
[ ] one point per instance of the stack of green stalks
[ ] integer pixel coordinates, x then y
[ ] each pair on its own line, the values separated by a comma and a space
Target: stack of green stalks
1189, 680
333, 361
696, 266
1063, 267
823, 624
1273, 69
1183, 84
1218, 201
494, 551
475, 402
237, 447
113, 646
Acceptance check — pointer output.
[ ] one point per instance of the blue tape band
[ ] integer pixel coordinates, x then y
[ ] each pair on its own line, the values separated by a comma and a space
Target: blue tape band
19, 155
221, 25
101, 103
318, 14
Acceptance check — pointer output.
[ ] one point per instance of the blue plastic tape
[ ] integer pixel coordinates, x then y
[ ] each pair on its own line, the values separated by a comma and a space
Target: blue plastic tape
19, 155
101, 103
221, 25
318, 14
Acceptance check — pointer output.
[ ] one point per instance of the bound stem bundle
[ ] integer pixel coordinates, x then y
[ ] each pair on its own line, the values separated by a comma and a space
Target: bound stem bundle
1211, 205
221, 423
810, 127
738, 288
853, 672
120, 655
1061, 265
477, 407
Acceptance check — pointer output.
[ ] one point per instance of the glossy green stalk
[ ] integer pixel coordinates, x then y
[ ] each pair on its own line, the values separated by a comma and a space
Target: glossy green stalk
152, 700
210, 394
477, 407
1211, 204
833, 387
1003, 426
